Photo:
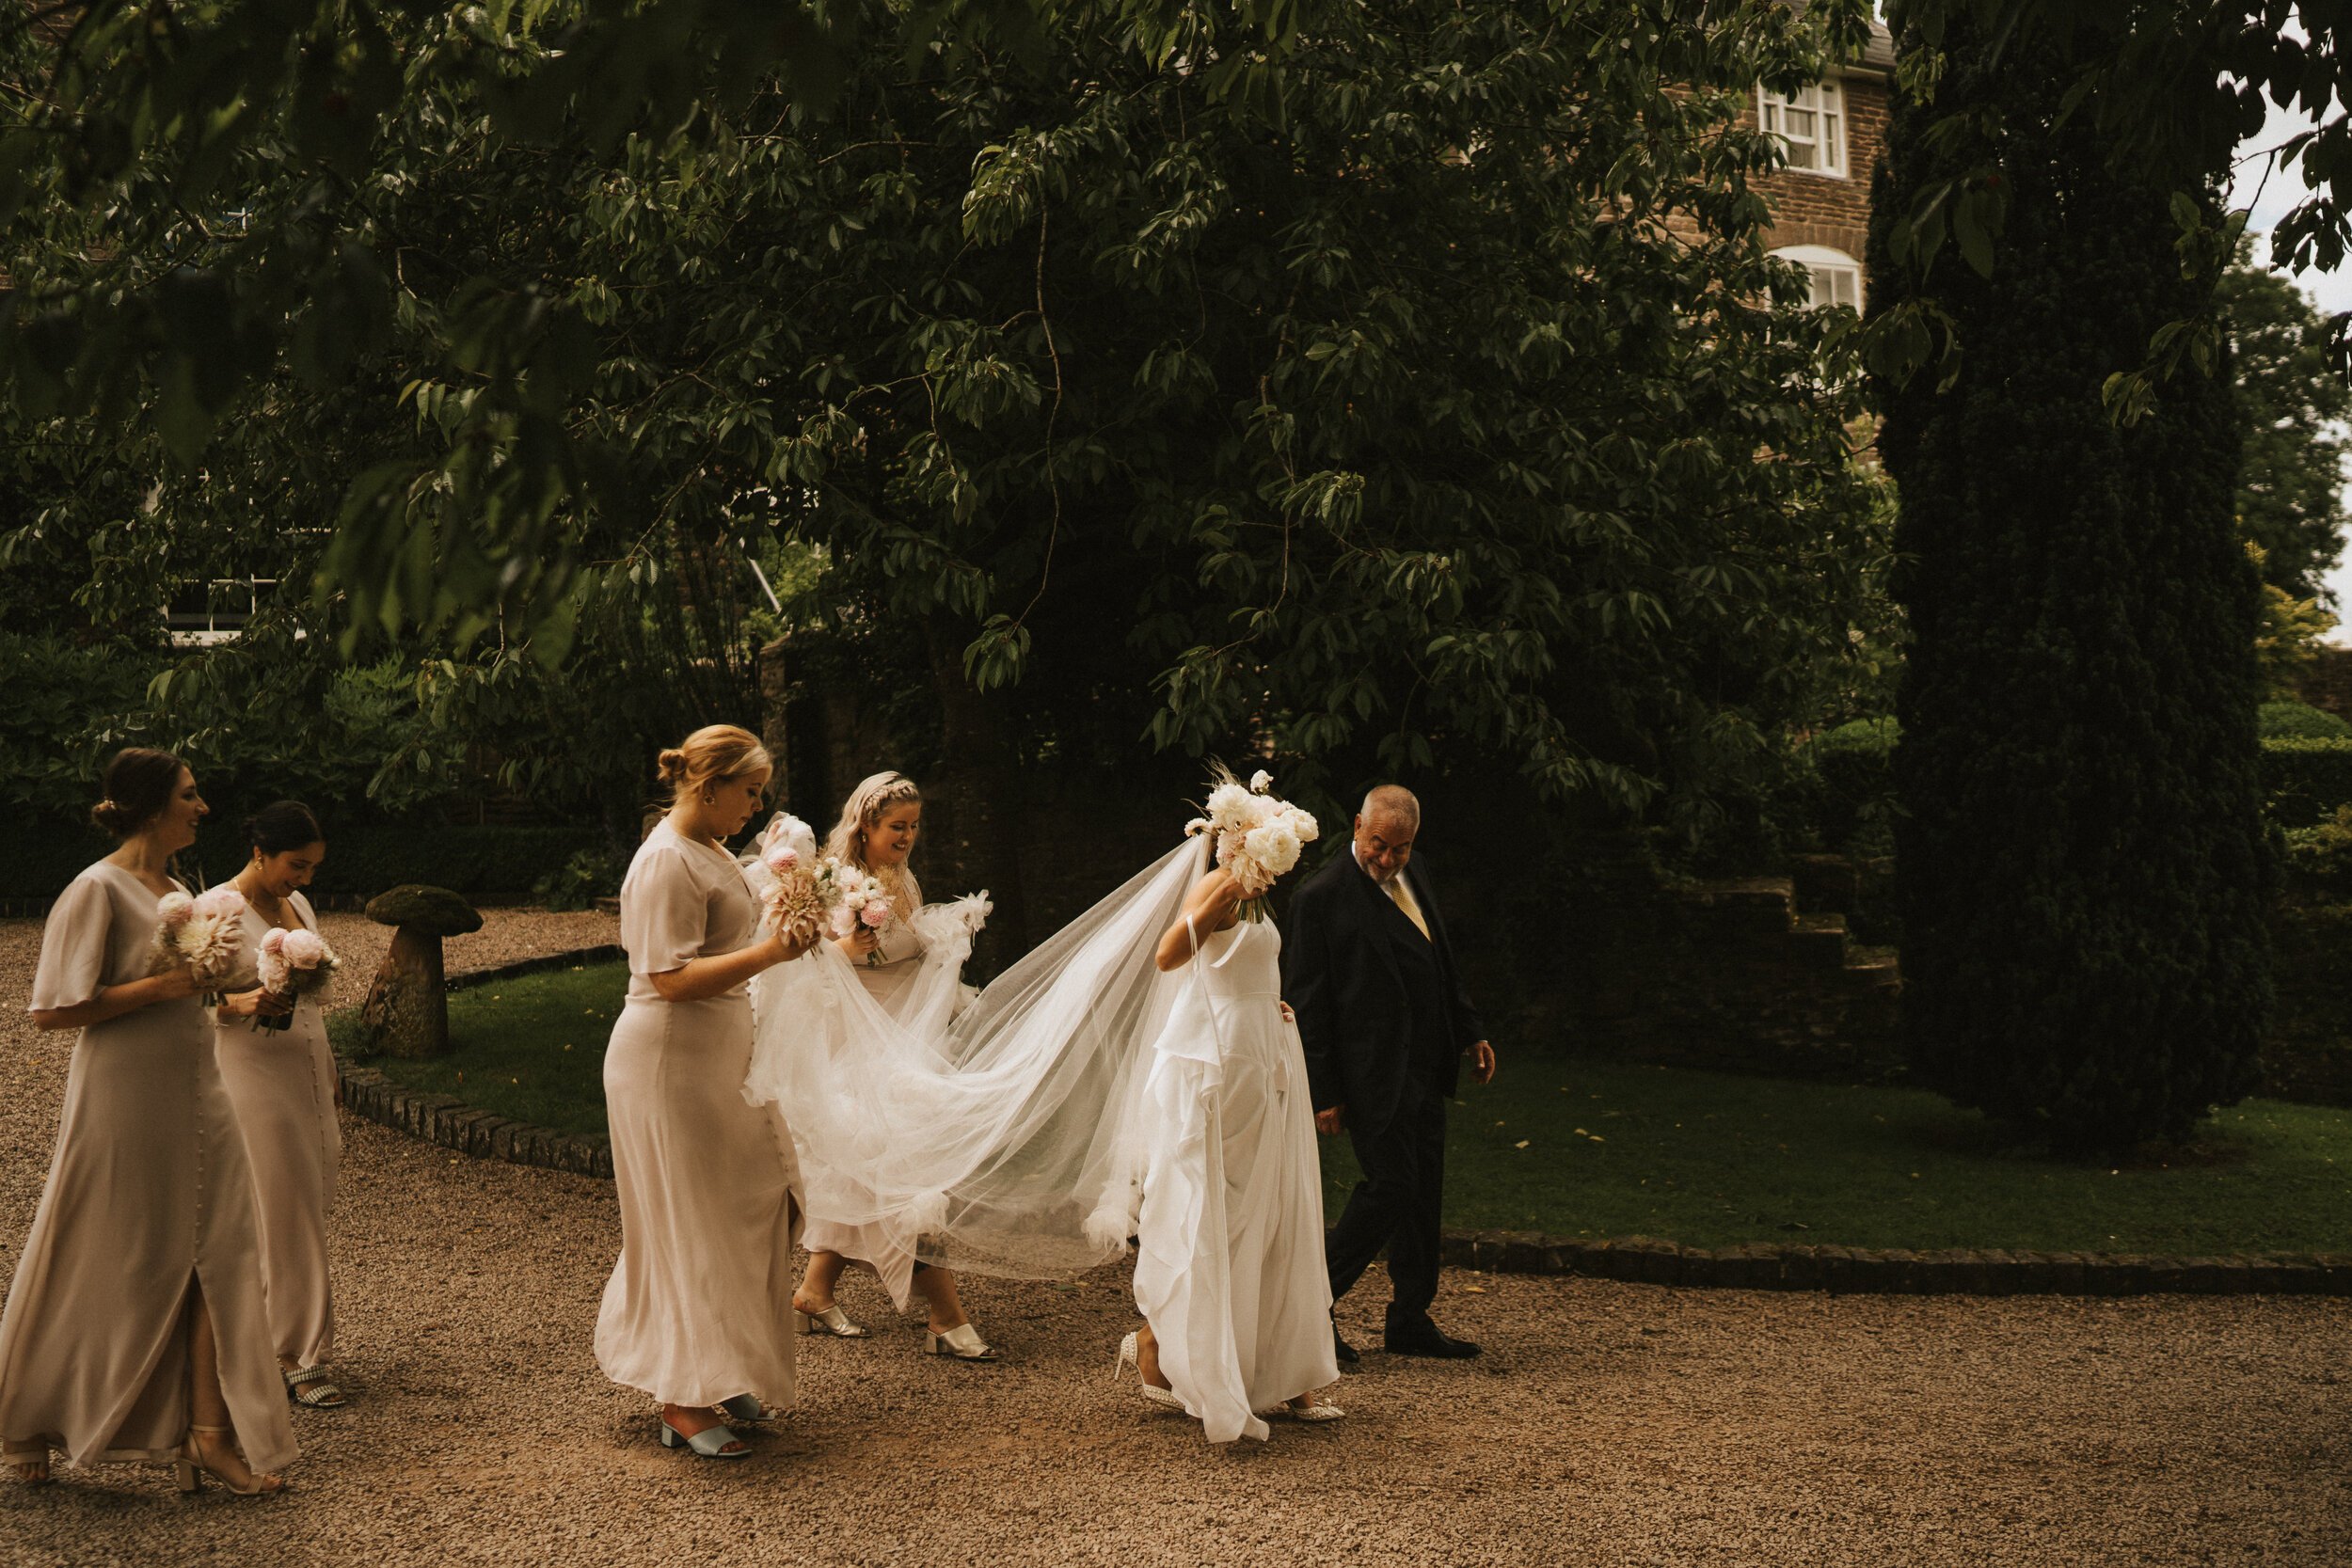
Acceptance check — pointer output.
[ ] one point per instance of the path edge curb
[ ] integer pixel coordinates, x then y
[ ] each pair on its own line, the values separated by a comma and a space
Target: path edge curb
448, 1122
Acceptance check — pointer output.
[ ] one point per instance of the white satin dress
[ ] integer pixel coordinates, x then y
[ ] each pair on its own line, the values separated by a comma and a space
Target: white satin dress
1229, 1268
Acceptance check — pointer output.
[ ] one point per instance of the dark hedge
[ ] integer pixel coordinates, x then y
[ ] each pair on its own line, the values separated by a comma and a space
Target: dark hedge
2083, 867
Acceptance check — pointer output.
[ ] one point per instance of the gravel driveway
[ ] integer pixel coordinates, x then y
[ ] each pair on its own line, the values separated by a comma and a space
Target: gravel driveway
1608, 1423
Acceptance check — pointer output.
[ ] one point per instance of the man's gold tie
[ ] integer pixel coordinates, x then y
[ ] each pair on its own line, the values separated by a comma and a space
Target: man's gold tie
1404, 896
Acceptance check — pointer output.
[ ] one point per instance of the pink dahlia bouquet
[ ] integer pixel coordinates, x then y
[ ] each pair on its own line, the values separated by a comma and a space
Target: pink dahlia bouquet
787, 853
203, 935
294, 965
1258, 835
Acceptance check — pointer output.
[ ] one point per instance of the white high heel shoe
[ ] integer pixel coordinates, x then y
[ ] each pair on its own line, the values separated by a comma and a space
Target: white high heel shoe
962, 1342
830, 1321
1307, 1407
1129, 1355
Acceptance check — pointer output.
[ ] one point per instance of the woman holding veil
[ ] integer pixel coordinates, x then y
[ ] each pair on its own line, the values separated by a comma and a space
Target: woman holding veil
911, 978
1019, 1139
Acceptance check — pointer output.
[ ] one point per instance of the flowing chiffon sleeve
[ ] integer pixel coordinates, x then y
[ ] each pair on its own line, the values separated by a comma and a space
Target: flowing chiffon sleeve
73, 944
664, 912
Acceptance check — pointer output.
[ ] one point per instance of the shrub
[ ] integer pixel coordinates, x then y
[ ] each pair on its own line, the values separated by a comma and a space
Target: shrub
1855, 763
2287, 720
579, 882
488, 865
2306, 779
2319, 857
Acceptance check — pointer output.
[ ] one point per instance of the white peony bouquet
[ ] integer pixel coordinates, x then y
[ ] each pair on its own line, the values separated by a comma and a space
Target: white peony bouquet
292, 965
203, 935
1258, 833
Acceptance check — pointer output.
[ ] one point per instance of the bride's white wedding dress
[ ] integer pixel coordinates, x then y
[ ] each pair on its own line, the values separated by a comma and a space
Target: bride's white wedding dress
1229, 1269
1083, 1098
1000, 1137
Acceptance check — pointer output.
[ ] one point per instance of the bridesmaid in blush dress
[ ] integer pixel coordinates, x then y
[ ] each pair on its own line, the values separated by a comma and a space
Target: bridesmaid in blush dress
698, 1312
280, 1075
136, 1328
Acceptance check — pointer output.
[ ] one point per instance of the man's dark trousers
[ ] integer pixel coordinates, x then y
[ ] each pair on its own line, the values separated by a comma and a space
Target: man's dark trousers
1396, 1205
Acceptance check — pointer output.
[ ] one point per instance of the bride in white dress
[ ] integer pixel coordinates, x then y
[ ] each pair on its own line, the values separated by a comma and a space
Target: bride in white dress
879, 825
1230, 1274
1087, 1096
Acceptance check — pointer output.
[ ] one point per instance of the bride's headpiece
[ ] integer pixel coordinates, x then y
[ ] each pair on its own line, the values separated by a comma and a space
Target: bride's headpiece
1258, 835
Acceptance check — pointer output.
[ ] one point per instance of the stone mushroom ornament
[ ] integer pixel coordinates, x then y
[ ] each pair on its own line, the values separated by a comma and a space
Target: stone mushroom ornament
406, 1012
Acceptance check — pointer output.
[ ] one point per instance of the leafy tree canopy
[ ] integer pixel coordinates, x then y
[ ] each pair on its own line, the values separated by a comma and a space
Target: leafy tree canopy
1418, 388
2292, 407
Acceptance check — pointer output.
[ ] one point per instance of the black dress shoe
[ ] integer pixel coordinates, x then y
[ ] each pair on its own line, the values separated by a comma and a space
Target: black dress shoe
1345, 1352
1428, 1339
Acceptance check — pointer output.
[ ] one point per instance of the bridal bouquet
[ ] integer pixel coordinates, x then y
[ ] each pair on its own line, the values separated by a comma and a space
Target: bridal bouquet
1258, 834
853, 897
796, 902
203, 935
292, 965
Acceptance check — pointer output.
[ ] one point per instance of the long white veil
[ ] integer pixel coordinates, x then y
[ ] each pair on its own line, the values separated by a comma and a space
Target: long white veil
1006, 1142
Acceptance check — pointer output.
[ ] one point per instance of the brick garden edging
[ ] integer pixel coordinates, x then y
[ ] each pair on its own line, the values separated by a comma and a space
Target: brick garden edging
449, 1122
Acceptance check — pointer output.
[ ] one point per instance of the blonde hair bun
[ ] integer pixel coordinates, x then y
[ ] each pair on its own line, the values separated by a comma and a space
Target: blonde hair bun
712, 756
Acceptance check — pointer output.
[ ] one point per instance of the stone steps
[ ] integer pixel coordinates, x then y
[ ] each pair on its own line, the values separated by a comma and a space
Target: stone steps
1763, 915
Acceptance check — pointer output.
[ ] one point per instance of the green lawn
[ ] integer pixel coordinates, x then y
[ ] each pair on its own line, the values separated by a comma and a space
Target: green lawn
1590, 1148
529, 1049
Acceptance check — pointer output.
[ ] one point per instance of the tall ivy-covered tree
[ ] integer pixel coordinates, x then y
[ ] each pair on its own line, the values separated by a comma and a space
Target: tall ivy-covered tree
2082, 862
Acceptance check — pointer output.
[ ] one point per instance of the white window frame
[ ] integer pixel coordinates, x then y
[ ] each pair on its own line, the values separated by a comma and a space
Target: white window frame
1811, 124
1837, 278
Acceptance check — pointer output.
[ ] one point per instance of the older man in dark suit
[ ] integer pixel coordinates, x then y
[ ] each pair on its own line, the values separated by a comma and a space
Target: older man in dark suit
1384, 1023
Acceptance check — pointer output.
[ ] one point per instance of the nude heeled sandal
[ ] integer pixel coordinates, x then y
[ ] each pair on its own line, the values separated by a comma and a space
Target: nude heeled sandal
189, 1469
962, 1342
29, 1463
1129, 1355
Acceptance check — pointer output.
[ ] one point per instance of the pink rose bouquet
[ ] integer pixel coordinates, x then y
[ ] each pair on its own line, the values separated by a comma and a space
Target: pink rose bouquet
294, 965
854, 899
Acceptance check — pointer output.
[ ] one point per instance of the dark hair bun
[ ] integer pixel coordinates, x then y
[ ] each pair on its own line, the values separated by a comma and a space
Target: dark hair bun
140, 781
281, 826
